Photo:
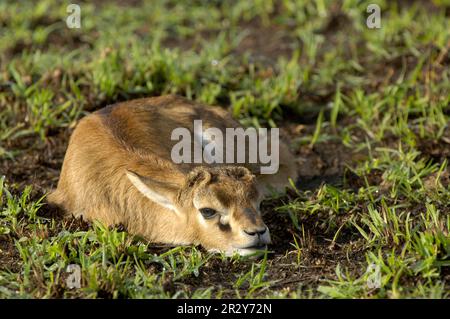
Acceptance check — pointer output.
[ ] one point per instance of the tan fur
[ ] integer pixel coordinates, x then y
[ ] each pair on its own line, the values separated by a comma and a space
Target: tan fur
133, 139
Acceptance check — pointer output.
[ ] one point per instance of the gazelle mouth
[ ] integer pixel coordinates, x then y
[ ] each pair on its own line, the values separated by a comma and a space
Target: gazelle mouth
256, 247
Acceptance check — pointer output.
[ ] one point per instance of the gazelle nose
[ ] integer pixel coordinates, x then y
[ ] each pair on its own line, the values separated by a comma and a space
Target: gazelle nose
259, 232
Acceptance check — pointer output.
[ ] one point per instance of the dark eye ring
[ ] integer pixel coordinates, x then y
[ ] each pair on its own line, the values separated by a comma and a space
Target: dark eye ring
208, 213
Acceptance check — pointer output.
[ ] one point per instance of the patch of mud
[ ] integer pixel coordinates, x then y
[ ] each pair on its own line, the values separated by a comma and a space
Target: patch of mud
265, 44
436, 150
37, 163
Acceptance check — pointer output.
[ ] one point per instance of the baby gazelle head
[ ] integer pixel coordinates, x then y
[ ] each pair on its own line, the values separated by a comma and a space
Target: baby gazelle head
219, 207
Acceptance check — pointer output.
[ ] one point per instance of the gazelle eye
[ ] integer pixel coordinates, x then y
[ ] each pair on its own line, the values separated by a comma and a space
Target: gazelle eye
259, 206
208, 213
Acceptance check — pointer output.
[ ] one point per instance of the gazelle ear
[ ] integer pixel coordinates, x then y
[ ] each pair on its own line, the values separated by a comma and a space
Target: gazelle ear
161, 193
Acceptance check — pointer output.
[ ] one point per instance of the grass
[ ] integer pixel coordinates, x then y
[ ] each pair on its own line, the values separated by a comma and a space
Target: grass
366, 112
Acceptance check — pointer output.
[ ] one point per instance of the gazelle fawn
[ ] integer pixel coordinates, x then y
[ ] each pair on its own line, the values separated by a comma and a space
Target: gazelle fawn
118, 169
